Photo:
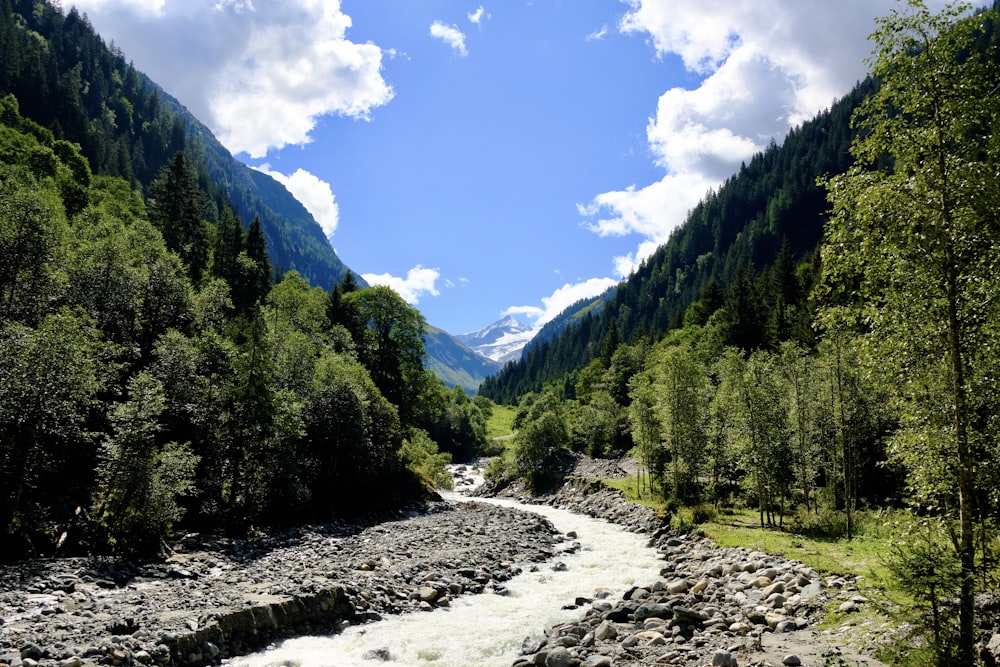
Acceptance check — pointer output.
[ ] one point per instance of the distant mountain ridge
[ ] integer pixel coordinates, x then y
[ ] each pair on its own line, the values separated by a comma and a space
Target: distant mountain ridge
501, 341
454, 362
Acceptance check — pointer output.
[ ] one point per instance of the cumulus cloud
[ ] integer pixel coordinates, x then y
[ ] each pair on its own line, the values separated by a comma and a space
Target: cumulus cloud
313, 193
478, 16
266, 71
450, 35
764, 66
418, 282
561, 299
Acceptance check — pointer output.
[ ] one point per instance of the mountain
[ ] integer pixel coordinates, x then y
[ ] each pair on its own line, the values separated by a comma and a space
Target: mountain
747, 253
501, 341
455, 363
66, 79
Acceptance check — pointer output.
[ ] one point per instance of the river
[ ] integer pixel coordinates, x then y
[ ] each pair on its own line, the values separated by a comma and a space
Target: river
487, 629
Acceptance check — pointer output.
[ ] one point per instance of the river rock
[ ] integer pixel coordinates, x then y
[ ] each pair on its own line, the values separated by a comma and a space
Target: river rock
381, 654
605, 631
713, 594
559, 657
722, 658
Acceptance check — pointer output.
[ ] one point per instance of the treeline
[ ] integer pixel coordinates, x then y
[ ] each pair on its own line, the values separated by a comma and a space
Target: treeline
152, 378
69, 81
748, 250
777, 430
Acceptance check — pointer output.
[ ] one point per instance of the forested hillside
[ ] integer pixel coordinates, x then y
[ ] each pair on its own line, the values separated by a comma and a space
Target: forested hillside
746, 251
68, 80
154, 376
819, 341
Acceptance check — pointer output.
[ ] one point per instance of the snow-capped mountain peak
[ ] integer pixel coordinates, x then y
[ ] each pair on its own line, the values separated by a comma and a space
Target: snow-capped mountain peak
501, 341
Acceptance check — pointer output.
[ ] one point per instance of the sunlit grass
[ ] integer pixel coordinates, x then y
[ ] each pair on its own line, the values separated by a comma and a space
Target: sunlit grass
501, 422
635, 492
861, 556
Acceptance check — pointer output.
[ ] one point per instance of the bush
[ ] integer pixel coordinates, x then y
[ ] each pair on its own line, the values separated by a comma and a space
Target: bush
702, 513
421, 455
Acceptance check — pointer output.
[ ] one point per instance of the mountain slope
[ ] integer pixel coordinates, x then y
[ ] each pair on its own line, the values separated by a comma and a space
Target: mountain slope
453, 362
66, 79
732, 240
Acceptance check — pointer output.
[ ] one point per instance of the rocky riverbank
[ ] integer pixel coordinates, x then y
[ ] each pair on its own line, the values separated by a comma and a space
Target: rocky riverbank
710, 605
214, 598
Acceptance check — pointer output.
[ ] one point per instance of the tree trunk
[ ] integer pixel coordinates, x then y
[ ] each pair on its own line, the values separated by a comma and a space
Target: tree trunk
966, 490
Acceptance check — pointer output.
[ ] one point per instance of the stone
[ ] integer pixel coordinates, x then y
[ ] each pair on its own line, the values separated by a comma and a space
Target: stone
677, 587
31, 651
776, 587
651, 610
428, 593
597, 660
381, 654
740, 628
605, 631
689, 616
773, 618
791, 660
724, 659
559, 657
532, 645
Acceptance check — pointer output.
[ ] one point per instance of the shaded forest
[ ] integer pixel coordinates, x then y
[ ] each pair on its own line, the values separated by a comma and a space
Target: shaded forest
155, 376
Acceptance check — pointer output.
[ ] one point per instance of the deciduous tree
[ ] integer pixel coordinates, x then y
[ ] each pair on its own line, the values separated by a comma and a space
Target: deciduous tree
915, 241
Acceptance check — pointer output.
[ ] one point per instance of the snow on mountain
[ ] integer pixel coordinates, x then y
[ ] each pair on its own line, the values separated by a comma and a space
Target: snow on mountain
501, 341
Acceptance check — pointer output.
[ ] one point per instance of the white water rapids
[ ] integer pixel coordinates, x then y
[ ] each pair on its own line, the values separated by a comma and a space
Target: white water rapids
487, 629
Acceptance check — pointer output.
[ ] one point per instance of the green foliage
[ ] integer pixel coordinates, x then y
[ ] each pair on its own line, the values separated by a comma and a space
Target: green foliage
139, 480
911, 251
32, 233
420, 454
169, 387
925, 566
50, 377
541, 437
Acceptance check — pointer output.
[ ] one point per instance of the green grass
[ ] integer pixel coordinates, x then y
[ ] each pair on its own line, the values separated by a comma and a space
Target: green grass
627, 485
860, 556
501, 422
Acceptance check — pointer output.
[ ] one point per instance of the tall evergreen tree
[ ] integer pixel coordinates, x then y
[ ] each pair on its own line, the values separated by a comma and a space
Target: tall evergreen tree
177, 208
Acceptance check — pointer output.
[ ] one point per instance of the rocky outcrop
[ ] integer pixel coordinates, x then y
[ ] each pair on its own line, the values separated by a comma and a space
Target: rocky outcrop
215, 598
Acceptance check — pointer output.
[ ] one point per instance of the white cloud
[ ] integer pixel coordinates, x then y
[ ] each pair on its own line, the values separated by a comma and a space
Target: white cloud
478, 16
264, 71
313, 193
764, 67
450, 35
561, 299
598, 34
418, 282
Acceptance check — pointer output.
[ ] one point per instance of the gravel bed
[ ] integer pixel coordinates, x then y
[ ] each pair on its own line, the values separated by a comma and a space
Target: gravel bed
214, 598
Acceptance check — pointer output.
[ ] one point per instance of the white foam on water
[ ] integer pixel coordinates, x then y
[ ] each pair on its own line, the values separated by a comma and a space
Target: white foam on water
487, 629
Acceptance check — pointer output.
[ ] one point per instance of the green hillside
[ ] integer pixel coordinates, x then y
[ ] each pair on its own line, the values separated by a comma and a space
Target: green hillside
68, 80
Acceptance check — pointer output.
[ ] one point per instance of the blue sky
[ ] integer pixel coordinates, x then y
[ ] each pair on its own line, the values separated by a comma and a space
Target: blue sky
487, 158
